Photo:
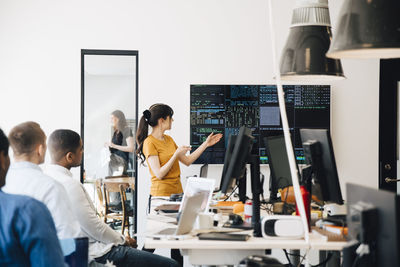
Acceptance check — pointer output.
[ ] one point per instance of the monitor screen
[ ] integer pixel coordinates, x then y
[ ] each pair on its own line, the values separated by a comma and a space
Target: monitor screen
235, 165
225, 108
278, 164
228, 156
323, 163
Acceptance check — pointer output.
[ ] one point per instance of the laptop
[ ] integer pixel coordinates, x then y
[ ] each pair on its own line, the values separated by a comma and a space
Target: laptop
193, 185
190, 209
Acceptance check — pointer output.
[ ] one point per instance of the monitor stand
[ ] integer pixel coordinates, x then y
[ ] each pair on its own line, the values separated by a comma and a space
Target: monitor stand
242, 187
273, 196
256, 190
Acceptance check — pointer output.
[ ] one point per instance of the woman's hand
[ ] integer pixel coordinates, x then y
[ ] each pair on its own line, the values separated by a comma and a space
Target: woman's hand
212, 139
182, 150
130, 147
161, 171
108, 144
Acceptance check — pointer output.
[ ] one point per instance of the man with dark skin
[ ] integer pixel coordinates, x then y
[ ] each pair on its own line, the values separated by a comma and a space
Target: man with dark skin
105, 244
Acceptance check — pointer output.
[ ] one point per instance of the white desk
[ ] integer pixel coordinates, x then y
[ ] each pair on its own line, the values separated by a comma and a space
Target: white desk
210, 252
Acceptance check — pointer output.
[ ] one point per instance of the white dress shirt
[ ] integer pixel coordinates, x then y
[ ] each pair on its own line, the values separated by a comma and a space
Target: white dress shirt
26, 178
101, 236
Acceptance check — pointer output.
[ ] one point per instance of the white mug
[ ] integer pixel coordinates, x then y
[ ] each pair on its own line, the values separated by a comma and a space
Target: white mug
206, 220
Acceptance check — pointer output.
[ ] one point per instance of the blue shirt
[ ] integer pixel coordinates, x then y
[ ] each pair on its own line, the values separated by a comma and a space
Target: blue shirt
27, 233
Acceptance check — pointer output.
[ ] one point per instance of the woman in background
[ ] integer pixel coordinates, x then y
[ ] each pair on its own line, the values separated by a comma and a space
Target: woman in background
121, 144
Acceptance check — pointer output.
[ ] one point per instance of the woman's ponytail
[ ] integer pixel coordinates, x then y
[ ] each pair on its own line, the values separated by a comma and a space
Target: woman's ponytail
141, 135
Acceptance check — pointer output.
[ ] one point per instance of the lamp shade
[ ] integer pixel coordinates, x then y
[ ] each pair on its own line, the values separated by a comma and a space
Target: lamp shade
303, 57
367, 29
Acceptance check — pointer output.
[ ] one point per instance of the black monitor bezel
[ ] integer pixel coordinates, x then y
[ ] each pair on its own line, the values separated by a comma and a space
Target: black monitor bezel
237, 163
228, 155
274, 181
327, 174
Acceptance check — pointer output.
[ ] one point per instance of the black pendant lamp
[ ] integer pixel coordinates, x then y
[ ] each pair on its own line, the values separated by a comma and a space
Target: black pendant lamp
303, 58
367, 29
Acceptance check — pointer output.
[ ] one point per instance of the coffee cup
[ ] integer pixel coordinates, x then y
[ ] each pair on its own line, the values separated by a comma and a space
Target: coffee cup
206, 220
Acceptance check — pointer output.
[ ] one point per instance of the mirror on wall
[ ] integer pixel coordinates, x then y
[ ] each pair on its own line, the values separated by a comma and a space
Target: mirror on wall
109, 115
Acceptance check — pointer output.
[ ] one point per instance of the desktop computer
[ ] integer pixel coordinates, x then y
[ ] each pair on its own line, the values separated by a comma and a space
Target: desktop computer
234, 169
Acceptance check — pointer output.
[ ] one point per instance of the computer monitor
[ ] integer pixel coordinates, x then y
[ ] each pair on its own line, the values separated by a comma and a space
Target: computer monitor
280, 176
318, 151
225, 108
380, 229
228, 156
236, 164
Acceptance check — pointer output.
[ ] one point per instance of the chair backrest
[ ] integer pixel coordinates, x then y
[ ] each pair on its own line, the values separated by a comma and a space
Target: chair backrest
99, 191
111, 187
115, 187
116, 176
114, 211
122, 191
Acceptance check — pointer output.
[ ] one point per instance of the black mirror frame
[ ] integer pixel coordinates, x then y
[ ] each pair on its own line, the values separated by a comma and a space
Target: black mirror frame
112, 53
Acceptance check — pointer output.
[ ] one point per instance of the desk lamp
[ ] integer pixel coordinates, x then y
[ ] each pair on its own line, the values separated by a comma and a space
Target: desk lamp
367, 29
303, 57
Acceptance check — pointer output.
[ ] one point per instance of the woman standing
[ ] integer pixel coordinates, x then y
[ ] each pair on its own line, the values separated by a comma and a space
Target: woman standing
163, 155
161, 152
121, 143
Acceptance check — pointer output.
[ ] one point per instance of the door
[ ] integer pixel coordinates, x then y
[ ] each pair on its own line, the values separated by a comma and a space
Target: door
388, 123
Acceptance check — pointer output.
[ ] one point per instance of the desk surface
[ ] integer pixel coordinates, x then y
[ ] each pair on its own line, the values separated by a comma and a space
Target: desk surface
156, 223
215, 252
316, 242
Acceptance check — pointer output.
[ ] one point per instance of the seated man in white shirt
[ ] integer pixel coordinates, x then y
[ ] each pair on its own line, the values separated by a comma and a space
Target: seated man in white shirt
66, 151
25, 177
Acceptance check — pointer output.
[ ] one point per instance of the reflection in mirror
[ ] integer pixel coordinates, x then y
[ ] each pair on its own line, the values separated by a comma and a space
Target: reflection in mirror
108, 124
109, 115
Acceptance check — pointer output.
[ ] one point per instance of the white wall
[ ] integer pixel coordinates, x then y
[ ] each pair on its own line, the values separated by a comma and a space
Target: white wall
180, 42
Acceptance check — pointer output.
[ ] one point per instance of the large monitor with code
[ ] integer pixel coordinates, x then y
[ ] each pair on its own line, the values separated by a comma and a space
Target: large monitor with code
225, 108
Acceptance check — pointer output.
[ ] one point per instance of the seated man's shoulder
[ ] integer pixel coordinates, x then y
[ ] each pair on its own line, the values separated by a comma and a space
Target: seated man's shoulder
48, 185
50, 180
55, 185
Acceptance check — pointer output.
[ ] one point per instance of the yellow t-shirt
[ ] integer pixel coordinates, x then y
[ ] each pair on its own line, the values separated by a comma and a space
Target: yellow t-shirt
164, 149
